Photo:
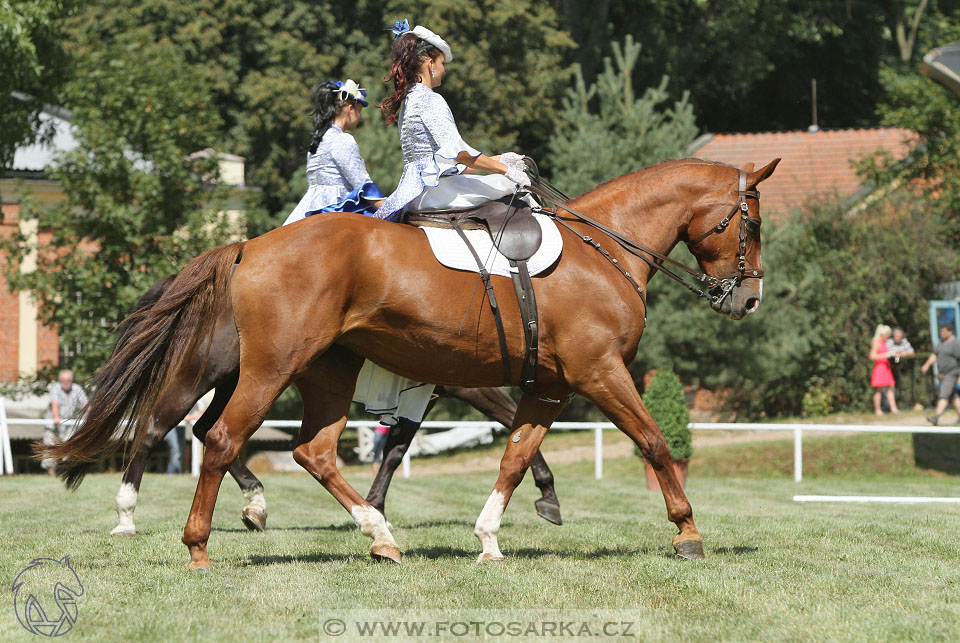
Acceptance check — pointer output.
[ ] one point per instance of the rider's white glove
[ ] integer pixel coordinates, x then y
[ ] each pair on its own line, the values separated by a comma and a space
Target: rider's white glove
511, 158
517, 175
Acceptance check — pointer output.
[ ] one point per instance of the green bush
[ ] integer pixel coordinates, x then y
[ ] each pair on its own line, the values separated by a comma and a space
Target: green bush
665, 402
818, 400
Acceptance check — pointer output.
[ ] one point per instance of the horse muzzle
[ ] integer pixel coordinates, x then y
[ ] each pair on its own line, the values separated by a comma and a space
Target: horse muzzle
739, 301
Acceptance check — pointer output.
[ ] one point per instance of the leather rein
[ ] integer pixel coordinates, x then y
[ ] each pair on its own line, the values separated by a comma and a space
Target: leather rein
718, 287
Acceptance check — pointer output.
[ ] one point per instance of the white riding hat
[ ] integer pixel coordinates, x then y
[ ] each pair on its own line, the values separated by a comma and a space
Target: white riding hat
426, 35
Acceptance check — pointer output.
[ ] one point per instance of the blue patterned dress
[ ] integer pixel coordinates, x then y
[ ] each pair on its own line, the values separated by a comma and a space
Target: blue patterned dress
337, 178
432, 178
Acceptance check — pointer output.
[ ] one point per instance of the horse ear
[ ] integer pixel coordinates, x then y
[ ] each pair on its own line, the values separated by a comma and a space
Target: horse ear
747, 167
763, 173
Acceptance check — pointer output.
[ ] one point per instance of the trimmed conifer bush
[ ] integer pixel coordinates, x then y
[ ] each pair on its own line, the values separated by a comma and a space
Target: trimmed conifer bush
666, 403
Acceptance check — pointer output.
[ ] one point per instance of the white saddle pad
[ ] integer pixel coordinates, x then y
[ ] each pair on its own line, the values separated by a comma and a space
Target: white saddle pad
452, 252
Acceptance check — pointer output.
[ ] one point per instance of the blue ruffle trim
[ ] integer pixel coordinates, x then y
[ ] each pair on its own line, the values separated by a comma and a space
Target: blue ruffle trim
356, 201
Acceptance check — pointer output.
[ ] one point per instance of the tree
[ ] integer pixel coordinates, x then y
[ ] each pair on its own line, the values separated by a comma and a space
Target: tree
139, 204
262, 57
607, 131
32, 67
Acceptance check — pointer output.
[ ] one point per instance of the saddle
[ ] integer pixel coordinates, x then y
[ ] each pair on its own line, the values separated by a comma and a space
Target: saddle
517, 236
514, 231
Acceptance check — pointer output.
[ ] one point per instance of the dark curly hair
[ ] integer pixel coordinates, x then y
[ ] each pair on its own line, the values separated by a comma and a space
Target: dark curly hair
407, 54
327, 105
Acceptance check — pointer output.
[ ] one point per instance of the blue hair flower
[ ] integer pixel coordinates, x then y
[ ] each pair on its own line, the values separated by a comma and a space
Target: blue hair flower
399, 28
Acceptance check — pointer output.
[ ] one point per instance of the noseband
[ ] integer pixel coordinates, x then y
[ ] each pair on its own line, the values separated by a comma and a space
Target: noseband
718, 288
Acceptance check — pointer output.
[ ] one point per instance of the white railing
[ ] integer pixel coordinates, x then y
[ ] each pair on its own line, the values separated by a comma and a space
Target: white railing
598, 428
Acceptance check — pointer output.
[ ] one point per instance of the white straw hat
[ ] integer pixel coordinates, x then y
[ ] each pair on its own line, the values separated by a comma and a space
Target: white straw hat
425, 34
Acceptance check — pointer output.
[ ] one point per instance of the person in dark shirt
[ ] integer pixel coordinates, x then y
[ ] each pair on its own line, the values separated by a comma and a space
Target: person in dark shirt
947, 357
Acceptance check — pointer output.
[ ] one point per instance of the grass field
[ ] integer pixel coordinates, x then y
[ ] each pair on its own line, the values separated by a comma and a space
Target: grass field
775, 570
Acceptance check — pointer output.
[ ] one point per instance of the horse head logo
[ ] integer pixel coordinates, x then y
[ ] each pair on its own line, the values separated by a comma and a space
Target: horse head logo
45, 596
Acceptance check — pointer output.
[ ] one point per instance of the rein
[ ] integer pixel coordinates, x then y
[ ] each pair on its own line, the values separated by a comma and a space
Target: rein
725, 284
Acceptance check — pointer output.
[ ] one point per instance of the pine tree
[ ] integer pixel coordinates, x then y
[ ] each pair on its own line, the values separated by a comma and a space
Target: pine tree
607, 131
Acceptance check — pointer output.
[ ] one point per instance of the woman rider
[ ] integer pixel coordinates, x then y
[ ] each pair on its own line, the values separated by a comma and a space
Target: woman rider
337, 177
436, 158
434, 176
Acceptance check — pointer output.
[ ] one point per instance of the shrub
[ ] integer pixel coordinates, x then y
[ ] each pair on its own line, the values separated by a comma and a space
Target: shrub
818, 400
665, 402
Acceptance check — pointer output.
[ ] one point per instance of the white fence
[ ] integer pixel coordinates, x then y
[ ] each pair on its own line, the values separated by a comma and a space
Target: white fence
598, 428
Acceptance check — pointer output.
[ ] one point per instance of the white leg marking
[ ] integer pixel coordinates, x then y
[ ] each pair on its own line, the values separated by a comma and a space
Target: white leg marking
126, 503
255, 499
372, 524
487, 527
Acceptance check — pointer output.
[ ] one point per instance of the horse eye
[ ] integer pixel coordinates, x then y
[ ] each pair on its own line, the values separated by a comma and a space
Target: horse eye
753, 226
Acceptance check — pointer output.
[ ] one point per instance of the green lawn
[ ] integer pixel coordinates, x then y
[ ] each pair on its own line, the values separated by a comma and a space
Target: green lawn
775, 570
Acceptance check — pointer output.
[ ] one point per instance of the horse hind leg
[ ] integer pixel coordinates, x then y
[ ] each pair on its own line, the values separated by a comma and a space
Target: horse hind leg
255, 393
327, 389
254, 514
129, 491
529, 426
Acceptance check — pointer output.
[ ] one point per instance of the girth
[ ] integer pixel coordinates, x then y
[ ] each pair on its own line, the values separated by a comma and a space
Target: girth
517, 236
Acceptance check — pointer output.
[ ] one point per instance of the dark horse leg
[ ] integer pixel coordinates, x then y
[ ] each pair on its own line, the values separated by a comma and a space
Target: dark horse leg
496, 404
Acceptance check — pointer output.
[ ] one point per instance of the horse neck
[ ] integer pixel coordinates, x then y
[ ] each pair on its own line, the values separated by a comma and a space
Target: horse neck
652, 207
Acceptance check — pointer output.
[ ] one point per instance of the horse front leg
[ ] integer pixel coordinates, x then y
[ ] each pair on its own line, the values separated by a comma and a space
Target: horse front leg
612, 390
327, 390
497, 405
398, 442
529, 426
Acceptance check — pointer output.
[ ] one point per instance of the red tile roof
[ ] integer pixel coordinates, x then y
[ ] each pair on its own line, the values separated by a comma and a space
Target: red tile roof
814, 163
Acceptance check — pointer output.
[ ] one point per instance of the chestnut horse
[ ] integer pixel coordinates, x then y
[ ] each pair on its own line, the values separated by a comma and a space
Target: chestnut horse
313, 299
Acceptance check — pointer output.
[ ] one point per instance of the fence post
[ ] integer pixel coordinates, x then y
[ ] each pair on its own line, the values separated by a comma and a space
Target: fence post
406, 464
798, 455
598, 451
196, 455
6, 457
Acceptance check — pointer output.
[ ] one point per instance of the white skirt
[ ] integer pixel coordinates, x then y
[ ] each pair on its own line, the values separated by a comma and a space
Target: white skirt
462, 191
391, 396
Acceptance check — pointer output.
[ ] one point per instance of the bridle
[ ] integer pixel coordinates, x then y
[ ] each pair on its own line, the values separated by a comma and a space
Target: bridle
717, 287
728, 282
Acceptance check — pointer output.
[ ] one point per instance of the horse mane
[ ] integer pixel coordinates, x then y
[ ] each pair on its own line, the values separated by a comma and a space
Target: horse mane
651, 168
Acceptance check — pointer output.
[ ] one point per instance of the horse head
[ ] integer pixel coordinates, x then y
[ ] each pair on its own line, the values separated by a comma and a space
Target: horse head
724, 235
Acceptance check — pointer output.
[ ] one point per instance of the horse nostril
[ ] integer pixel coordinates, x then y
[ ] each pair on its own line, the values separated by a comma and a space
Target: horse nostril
753, 303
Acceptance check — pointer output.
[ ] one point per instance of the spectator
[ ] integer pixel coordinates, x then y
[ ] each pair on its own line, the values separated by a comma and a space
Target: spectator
176, 438
882, 377
898, 346
67, 401
947, 357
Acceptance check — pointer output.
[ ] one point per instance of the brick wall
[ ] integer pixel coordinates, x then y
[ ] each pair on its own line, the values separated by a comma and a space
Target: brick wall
9, 304
47, 340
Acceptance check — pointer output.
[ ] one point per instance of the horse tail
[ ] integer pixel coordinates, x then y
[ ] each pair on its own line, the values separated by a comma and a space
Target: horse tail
155, 342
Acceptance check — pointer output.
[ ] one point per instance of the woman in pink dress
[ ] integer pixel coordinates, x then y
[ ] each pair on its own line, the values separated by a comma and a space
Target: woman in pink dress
882, 378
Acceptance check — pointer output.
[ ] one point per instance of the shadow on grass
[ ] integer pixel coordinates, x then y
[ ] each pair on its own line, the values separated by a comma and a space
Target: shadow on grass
347, 526
739, 550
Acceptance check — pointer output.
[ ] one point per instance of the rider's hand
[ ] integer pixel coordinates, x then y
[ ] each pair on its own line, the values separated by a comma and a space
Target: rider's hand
511, 158
517, 175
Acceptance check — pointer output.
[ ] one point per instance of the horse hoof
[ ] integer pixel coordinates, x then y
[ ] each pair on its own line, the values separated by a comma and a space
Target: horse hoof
198, 566
254, 519
385, 551
548, 510
690, 549
123, 531
487, 557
